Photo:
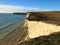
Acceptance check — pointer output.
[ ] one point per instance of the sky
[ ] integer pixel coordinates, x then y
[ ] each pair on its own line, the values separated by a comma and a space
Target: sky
28, 5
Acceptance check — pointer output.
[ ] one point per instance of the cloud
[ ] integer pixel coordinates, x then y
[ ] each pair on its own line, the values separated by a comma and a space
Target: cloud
10, 9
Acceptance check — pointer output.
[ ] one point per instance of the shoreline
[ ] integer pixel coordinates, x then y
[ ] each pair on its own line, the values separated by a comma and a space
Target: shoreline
14, 36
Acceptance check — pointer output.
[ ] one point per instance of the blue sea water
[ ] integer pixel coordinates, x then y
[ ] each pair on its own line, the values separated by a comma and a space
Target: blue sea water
8, 22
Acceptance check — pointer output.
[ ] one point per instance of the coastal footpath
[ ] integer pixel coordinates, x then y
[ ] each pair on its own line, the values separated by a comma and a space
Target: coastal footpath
43, 28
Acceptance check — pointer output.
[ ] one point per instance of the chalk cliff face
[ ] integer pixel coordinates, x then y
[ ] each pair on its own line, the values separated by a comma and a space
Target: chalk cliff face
43, 23
41, 28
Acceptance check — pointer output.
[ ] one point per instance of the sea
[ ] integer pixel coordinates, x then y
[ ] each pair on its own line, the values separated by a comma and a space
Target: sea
10, 22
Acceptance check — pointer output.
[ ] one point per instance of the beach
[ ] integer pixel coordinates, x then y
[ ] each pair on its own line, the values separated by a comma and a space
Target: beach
12, 30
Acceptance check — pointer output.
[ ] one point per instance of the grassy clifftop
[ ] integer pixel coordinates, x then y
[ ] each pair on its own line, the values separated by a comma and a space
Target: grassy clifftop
55, 15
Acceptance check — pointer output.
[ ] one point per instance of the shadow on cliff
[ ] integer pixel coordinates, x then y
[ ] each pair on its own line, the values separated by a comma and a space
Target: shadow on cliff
52, 39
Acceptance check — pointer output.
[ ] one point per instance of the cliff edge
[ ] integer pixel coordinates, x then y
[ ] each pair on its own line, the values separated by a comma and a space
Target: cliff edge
42, 27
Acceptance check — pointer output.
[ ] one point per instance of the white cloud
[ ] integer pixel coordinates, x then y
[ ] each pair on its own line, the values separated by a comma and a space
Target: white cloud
10, 9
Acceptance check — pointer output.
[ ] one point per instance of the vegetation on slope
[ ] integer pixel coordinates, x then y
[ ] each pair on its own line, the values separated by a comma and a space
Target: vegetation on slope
51, 15
52, 39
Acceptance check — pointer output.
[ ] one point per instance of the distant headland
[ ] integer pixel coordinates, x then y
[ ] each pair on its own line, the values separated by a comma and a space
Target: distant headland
20, 13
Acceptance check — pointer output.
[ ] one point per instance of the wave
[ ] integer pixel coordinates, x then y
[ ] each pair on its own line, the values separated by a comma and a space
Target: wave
4, 31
